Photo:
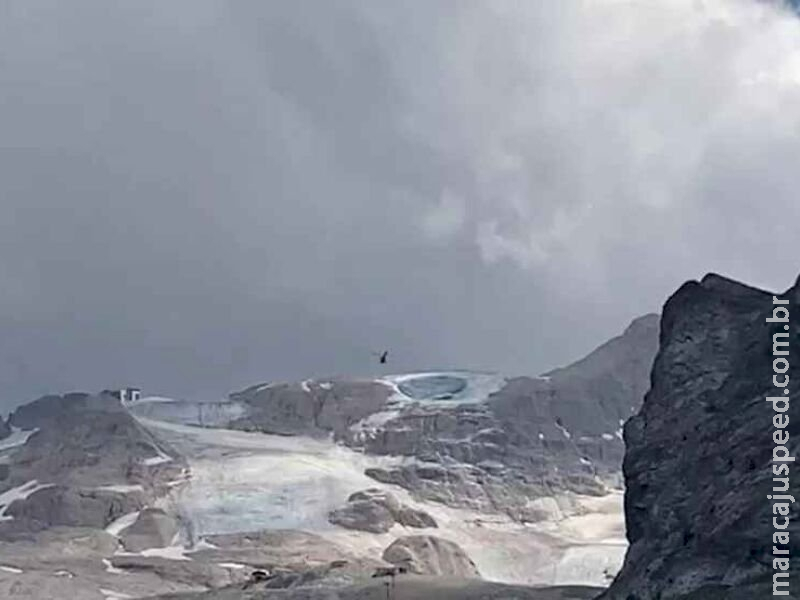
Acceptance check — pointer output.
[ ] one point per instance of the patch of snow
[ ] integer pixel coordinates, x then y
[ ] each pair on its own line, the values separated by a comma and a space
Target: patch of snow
544, 377
541, 435
326, 385
177, 482
110, 568
375, 421
621, 422
608, 437
585, 461
153, 400
157, 460
112, 595
66, 574
170, 553
19, 493
204, 545
618, 433
305, 385
236, 566
17, 438
597, 563
121, 488
122, 523
563, 430
13, 570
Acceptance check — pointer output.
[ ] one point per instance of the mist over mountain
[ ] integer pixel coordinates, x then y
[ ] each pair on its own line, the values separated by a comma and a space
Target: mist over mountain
198, 195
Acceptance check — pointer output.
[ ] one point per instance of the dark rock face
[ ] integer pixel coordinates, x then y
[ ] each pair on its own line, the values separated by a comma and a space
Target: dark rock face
429, 555
699, 462
377, 511
5, 429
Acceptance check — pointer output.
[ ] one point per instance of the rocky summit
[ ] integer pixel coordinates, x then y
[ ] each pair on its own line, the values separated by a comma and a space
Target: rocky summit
698, 466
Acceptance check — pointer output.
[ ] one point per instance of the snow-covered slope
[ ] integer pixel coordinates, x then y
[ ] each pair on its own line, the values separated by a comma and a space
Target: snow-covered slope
249, 481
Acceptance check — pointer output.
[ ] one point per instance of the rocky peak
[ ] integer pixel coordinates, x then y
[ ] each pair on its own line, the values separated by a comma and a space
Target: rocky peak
698, 461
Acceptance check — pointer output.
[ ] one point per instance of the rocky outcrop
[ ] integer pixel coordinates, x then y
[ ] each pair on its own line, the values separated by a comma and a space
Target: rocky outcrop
363, 515
429, 555
153, 528
377, 511
71, 507
698, 466
86, 440
88, 463
5, 429
412, 517
309, 408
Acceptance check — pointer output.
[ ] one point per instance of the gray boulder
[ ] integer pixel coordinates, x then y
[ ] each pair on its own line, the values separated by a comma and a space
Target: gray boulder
429, 555
376, 511
363, 515
412, 517
153, 528
378, 496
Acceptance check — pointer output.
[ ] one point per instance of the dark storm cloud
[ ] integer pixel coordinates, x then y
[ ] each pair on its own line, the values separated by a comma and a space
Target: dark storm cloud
198, 195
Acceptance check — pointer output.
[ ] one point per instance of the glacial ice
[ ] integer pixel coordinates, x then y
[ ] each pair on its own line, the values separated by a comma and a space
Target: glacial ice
243, 481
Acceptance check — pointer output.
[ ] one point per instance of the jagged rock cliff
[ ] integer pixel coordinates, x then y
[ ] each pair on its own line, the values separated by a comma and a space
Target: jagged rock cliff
698, 462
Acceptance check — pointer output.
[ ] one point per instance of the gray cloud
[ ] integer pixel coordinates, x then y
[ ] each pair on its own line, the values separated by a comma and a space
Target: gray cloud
198, 195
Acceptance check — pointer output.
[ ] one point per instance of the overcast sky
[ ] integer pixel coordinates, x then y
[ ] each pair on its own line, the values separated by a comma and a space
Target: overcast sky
199, 195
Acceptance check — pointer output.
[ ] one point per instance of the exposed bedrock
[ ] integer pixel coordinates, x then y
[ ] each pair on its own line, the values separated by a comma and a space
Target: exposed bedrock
699, 462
